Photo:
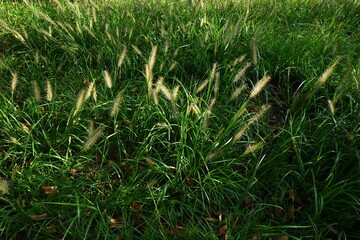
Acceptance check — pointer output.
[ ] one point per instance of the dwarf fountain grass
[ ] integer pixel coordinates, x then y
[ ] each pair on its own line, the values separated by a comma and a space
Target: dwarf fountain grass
212, 171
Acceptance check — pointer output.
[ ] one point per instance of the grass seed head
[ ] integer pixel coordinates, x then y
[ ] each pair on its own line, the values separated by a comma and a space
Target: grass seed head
79, 101
237, 92
122, 57
4, 187
14, 82
202, 86
49, 91
152, 58
107, 79
242, 72
116, 104
259, 86
36, 91
89, 90
253, 147
331, 107
93, 138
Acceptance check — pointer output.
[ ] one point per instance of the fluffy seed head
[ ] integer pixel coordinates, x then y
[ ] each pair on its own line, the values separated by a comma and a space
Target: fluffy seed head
122, 57
93, 138
107, 79
89, 90
14, 81
116, 104
331, 107
49, 92
241, 72
252, 148
4, 187
152, 58
237, 92
36, 91
202, 86
259, 86
79, 101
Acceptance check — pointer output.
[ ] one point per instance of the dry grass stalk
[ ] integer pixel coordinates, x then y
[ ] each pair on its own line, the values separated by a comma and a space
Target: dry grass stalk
116, 104
242, 72
259, 86
122, 57
253, 147
107, 79
14, 81
36, 91
208, 113
217, 84
79, 101
255, 118
254, 51
93, 138
237, 92
49, 91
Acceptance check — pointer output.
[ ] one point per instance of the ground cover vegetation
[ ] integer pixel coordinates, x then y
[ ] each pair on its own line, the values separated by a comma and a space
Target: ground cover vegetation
179, 120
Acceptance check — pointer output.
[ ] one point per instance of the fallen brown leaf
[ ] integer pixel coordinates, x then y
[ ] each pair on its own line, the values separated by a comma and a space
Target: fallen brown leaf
212, 220
223, 233
39, 217
49, 189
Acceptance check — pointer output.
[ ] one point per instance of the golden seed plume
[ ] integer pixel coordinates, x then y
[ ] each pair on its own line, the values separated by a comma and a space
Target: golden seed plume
253, 119
202, 86
14, 82
4, 187
94, 95
107, 79
253, 147
166, 92
25, 128
242, 72
321, 81
208, 113
237, 92
152, 58
79, 101
149, 79
89, 90
331, 107
175, 92
116, 104
157, 89
213, 72
49, 91
173, 66
122, 57
259, 86
36, 91
93, 138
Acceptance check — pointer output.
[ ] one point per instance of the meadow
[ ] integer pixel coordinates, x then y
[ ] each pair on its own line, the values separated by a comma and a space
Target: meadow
162, 119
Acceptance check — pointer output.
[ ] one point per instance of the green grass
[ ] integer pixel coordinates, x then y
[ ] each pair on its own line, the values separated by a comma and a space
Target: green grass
156, 120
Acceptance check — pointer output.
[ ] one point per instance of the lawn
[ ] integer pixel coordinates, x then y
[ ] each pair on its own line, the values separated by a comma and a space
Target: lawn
164, 119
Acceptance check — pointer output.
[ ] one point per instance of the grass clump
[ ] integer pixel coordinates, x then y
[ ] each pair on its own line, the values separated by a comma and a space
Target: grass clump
157, 120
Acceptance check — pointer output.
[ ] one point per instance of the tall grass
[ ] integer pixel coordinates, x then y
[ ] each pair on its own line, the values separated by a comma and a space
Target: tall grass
157, 120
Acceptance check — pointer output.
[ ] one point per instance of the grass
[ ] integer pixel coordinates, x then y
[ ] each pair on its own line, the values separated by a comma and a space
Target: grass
155, 120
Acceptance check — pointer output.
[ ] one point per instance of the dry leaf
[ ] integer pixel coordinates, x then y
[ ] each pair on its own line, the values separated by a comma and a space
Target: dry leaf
282, 238
222, 232
39, 217
49, 189
211, 220
115, 222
